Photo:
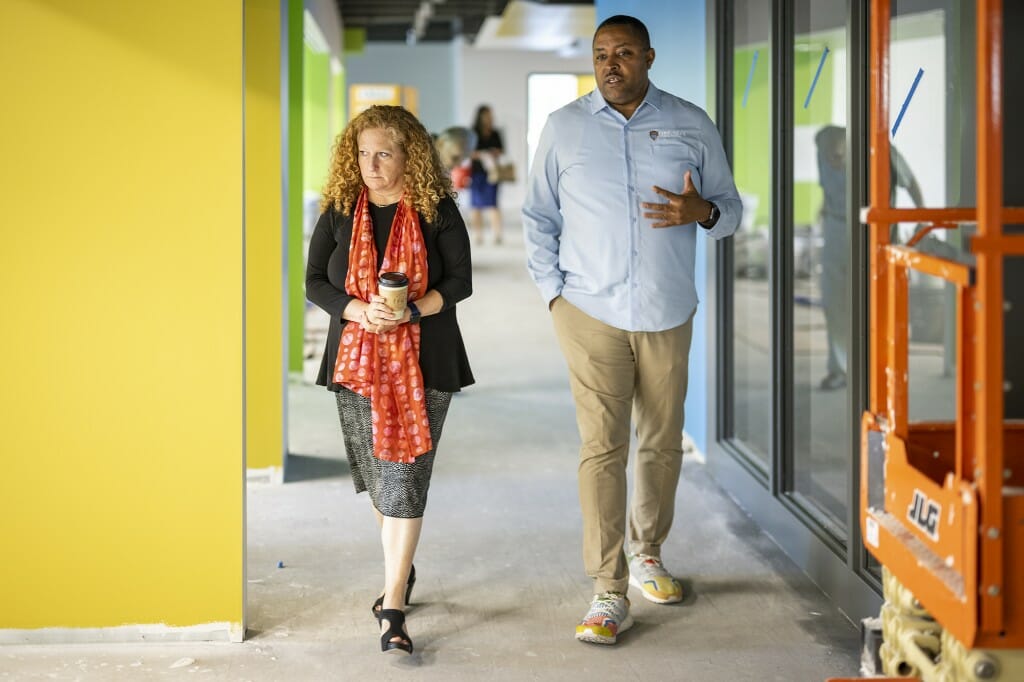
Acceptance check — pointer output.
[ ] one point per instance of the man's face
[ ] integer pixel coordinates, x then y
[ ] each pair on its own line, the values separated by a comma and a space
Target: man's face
621, 63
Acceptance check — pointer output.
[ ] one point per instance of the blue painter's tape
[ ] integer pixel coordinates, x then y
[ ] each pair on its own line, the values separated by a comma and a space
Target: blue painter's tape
906, 102
750, 78
817, 74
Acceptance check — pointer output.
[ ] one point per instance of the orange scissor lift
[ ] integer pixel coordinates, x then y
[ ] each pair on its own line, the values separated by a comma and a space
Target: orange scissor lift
942, 503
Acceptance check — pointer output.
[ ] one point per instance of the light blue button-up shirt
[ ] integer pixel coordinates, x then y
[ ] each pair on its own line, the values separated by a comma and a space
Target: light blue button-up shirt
586, 237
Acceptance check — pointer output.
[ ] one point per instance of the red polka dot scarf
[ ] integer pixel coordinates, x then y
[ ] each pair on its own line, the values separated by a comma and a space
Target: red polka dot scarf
385, 367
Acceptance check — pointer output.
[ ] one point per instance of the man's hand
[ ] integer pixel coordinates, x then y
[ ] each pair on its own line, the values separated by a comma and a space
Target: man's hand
688, 207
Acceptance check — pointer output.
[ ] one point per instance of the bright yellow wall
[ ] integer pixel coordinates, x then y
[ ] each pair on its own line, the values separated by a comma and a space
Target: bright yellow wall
121, 488
263, 236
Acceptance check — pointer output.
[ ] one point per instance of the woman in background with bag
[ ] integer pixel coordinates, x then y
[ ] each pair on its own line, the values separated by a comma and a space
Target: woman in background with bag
388, 208
483, 187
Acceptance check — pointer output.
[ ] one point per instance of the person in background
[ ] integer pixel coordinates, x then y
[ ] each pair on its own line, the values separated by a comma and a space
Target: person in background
388, 207
483, 187
454, 146
835, 295
623, 182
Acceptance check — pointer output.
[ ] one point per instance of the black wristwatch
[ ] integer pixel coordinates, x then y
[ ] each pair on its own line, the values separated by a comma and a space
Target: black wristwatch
414, 313
712, 219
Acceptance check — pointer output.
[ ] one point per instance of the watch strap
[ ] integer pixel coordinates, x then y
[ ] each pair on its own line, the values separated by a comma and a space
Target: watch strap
713, 218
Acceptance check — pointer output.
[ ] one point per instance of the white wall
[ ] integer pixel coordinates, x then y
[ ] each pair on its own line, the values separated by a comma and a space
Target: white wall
498, 78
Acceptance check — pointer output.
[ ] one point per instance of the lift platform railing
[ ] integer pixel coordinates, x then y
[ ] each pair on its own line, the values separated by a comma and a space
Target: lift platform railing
942, 503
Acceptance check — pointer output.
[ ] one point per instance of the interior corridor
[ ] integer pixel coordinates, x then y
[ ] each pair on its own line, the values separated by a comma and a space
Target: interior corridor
500, 578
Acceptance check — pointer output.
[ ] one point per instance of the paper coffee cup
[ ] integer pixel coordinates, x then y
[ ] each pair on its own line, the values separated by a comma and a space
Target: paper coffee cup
394, 287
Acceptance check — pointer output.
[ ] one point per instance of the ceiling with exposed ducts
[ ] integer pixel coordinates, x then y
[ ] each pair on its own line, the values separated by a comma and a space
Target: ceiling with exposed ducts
432, 20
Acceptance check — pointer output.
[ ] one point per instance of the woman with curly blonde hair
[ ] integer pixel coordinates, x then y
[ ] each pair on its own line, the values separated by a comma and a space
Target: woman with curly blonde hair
388, 215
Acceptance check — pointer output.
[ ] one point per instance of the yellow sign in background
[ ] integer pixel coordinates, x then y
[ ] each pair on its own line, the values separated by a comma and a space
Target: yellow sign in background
362, 96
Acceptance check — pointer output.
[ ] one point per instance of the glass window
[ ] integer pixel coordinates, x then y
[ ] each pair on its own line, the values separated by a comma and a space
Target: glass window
932, 97
931, 103
750, 393
822, 230
931, 362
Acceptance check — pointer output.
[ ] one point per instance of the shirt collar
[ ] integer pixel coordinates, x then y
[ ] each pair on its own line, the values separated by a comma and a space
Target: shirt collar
653, 97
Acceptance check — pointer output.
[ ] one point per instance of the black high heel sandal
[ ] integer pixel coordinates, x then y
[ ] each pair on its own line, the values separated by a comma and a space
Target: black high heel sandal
396, 621
379, 604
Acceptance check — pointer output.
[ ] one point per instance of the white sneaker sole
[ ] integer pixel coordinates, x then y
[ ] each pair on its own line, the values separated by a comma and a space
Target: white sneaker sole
592, 637
635, 582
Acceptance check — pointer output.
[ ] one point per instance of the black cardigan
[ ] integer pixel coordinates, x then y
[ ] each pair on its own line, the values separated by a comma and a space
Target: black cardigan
491, 142
443, 357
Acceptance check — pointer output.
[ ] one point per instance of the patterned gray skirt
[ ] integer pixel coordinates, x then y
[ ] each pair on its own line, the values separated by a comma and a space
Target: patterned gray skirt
396, 489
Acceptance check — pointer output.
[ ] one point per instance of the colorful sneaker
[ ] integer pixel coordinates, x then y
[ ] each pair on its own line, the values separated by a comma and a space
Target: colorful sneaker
607, 618
649, 575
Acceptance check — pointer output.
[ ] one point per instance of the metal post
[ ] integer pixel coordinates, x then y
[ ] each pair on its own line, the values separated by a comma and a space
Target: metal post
988, 313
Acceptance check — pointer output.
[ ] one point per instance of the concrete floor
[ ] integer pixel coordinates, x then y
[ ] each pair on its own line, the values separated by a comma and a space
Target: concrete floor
501, 582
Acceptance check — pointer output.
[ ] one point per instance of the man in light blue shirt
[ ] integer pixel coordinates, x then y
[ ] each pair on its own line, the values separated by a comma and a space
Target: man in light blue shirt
623, 180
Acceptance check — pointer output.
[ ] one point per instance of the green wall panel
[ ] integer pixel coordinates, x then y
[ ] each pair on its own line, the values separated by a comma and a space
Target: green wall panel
316, 84
752, 144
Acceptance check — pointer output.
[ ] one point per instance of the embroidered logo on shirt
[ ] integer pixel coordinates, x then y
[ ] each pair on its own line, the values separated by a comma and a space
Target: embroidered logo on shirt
654, 134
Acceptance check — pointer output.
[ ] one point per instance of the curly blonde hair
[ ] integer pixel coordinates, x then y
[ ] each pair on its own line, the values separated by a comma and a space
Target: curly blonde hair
425, 181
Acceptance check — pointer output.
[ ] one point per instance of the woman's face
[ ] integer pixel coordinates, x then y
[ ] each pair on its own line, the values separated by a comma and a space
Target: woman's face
381, 163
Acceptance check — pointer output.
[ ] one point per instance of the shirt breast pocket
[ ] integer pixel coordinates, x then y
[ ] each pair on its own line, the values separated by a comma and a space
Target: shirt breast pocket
672, 154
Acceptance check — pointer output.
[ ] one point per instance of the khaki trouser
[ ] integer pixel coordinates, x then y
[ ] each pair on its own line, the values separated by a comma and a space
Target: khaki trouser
614, 373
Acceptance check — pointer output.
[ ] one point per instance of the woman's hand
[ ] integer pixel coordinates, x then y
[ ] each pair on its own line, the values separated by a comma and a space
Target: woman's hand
378, 318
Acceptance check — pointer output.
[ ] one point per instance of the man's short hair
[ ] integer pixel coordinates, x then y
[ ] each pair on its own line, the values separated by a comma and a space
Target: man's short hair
632, 22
